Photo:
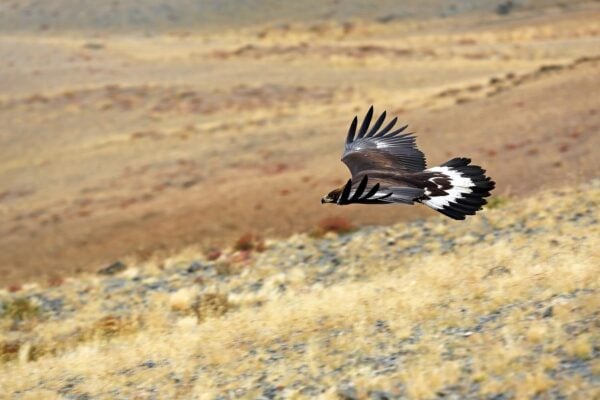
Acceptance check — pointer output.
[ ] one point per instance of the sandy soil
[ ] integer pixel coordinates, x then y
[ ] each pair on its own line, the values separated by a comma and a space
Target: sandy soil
114, 144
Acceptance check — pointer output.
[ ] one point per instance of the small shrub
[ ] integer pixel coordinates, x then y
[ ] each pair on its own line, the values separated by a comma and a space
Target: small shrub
496, 202
244, 242
107, 326
15, 287
110, 326
55, 281
338, 225
211, 305
20, 310
249, 242
505, 8
9, 350
225, 268
581, 347
113, 269
213, 254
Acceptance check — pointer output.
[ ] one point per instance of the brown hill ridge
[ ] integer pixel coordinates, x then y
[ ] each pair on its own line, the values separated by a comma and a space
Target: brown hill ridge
120, 144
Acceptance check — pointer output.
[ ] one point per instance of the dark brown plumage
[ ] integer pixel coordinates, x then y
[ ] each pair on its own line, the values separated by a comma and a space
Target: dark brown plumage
387, 167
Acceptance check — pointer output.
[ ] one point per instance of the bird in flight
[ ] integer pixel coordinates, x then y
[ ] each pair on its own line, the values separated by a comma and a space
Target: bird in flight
387, 167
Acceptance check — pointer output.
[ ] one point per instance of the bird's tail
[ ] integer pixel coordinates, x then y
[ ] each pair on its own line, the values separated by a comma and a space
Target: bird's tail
457, 189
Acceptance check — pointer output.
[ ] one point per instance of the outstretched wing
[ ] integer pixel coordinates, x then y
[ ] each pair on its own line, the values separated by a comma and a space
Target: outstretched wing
383, 149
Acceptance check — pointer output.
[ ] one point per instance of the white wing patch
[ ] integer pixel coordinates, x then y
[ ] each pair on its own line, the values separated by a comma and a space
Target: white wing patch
460, 185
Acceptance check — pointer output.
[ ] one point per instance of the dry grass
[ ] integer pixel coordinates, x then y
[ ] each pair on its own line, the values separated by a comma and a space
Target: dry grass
506, 315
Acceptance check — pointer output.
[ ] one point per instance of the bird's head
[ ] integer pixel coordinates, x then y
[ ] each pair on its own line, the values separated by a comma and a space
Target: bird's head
332, 196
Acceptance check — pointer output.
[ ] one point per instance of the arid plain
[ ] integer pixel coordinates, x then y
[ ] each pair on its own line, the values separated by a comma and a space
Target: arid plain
127, 143
192, 139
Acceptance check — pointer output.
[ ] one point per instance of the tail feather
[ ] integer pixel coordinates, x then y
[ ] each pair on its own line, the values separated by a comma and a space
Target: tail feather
458, 188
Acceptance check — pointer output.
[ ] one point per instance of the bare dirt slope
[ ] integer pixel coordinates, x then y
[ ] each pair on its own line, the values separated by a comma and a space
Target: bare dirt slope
113, 144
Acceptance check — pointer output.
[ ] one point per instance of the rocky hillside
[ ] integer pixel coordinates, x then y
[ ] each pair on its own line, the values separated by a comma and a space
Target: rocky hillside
502, 306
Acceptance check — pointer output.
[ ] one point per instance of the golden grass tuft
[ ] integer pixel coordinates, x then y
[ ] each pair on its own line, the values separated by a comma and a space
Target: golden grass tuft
581, 347
110, 326
183, 299
211, 305
536, 333
424, 382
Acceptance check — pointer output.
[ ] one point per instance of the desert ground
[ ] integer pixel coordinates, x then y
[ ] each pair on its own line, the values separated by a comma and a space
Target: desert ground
504, 306
161, 231
121, 142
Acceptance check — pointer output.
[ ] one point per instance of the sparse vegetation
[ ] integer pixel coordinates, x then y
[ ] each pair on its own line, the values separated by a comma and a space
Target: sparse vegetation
19, 309
249, 242
211, 305
497, 201
213, 254
335, 224
415, 310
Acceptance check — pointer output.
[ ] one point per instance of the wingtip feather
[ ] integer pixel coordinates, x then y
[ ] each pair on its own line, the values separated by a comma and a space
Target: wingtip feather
343, 199
360, 189
397, 131
352, 130
387, 128
377, 125
365, 123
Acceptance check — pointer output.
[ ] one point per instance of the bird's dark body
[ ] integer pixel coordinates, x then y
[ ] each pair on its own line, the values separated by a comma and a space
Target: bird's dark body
387, 167
417, 180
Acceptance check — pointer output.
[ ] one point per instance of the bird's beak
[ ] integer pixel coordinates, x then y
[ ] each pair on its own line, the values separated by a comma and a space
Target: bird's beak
323, 200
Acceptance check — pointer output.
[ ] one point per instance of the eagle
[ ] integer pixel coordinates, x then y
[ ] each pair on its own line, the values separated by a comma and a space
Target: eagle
387, 167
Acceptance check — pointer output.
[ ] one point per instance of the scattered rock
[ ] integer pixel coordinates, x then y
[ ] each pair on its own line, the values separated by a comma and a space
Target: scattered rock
149, 364
381, 395
347, 391
93, 46
113, 268
505, 8
496, 271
